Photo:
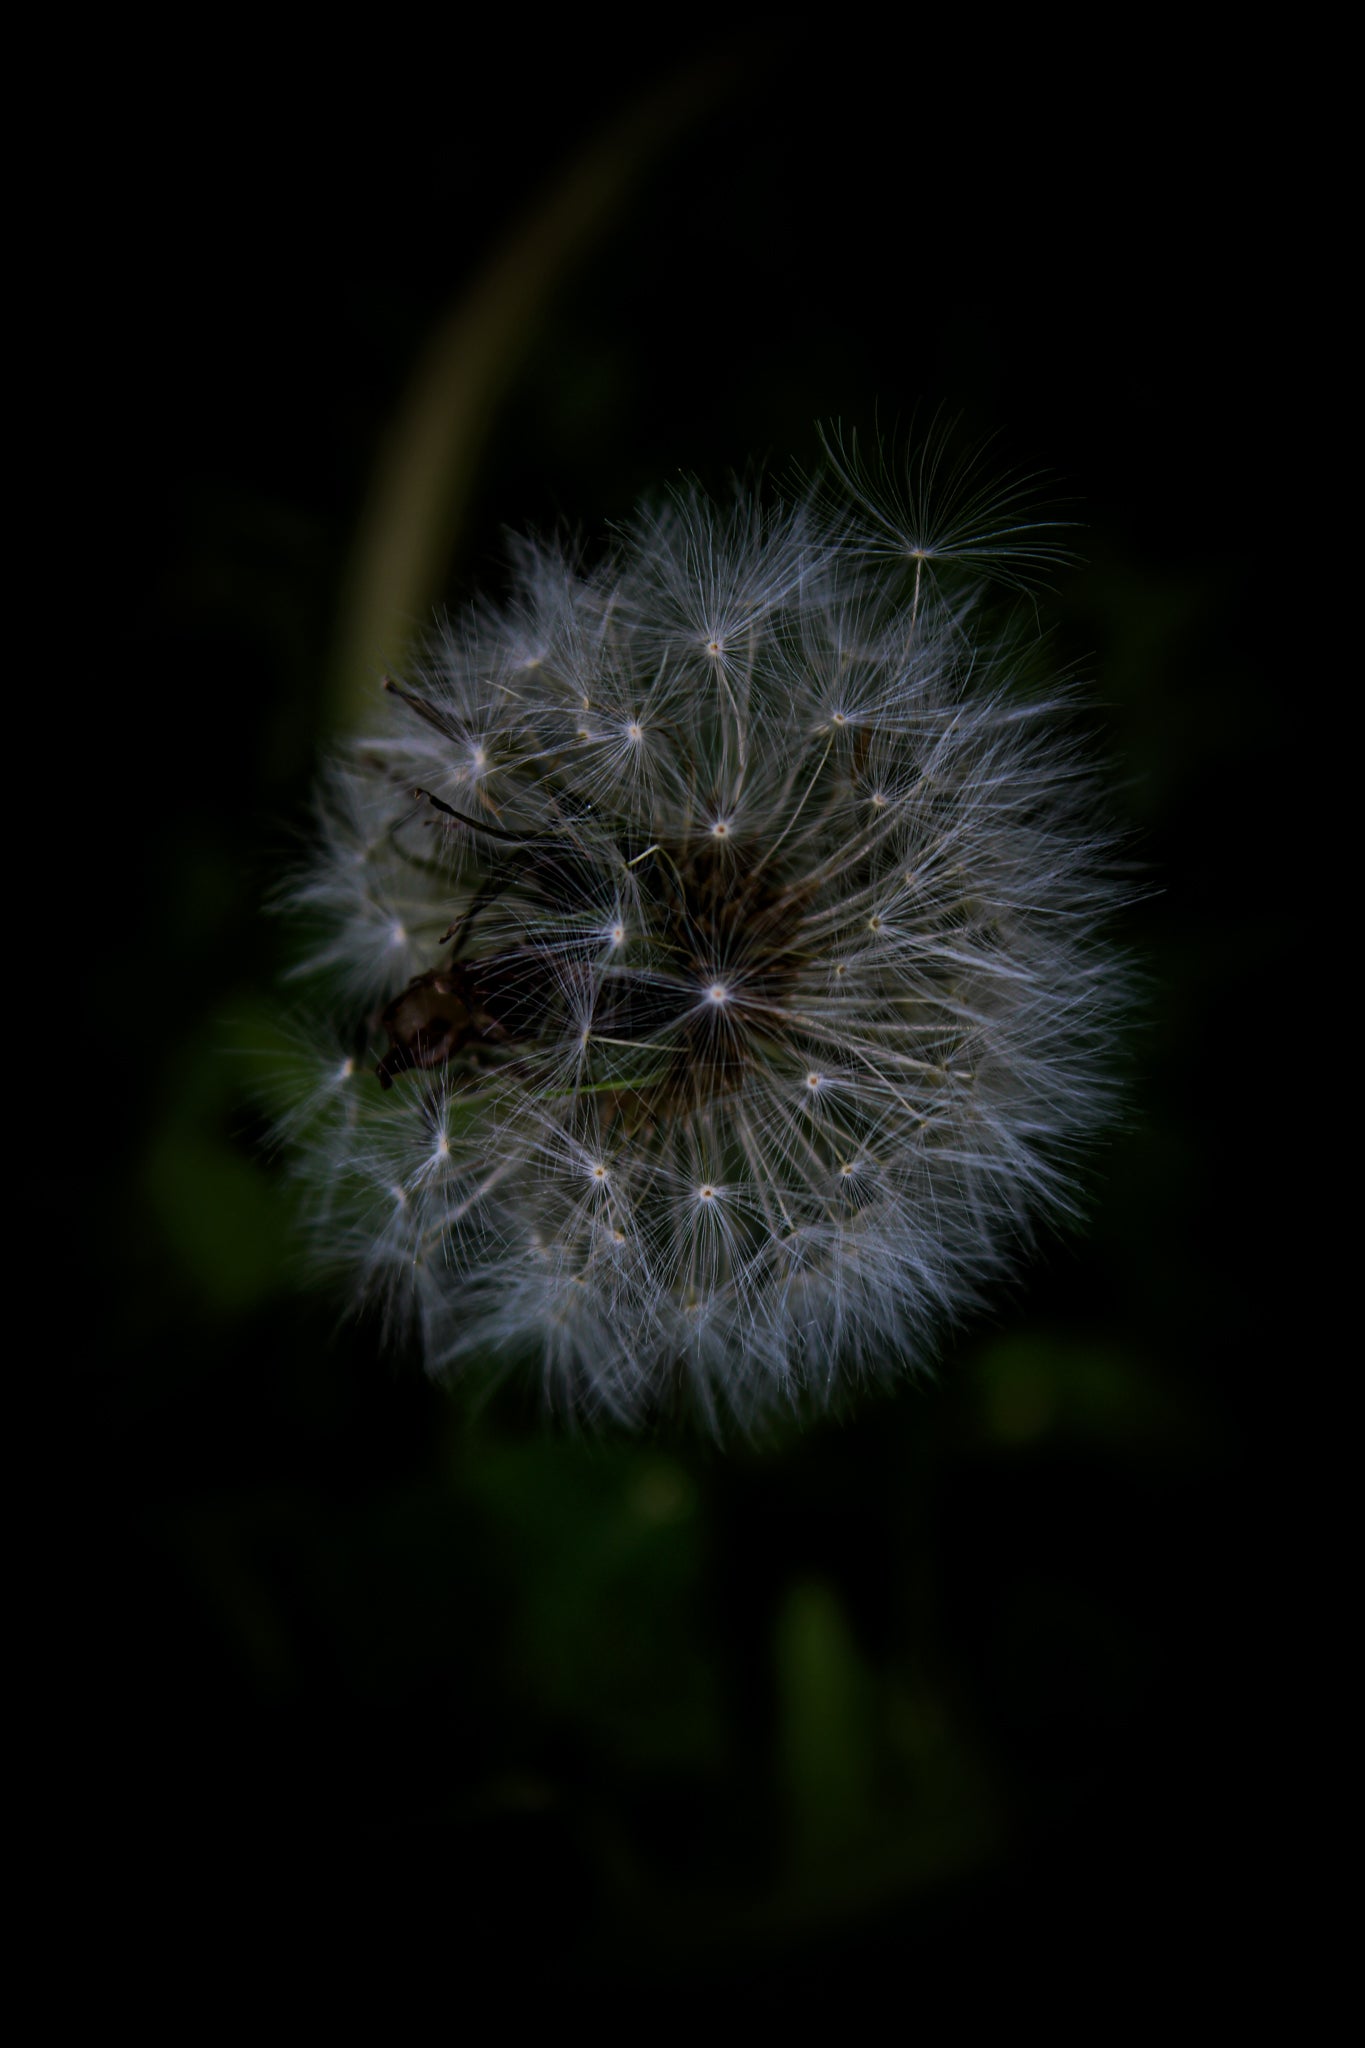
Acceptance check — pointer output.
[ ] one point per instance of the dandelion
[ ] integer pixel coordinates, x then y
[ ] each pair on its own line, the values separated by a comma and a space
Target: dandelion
719, 933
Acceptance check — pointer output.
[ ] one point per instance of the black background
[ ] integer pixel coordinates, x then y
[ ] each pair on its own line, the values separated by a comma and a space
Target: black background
619, 1714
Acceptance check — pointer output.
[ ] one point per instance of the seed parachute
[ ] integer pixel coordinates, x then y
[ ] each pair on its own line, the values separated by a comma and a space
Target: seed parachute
715, 945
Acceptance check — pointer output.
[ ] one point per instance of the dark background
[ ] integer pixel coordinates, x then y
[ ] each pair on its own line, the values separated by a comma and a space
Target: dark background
986, 1676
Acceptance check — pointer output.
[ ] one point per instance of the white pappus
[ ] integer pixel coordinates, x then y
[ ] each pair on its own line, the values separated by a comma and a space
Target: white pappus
720, 932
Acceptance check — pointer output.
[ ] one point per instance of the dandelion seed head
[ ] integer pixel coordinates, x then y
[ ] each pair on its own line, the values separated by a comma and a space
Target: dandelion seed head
718, 1119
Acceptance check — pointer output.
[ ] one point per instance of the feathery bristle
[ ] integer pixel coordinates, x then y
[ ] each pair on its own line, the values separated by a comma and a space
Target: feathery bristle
728, 921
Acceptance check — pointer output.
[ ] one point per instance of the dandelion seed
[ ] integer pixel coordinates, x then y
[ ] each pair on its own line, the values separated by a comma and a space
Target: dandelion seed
775, 1143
